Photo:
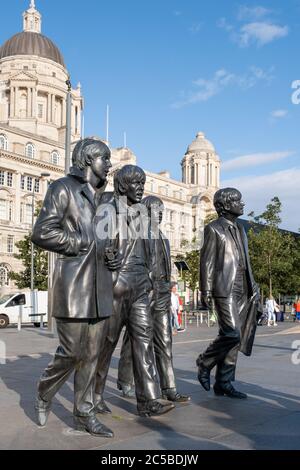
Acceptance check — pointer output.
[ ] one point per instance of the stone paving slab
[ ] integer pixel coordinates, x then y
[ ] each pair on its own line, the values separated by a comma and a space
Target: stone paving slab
269, 419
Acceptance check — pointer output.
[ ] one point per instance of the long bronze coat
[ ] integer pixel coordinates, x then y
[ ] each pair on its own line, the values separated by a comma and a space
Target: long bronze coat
82, 285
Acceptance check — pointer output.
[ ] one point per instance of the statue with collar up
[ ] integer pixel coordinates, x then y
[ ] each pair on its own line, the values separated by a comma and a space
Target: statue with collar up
82, 285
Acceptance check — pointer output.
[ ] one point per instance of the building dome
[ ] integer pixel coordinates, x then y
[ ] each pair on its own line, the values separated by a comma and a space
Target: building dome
201, 144
31, 43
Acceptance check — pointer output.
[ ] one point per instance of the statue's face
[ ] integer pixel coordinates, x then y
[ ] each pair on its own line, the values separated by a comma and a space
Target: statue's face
236, 205
101, 164
157, 212
135, 190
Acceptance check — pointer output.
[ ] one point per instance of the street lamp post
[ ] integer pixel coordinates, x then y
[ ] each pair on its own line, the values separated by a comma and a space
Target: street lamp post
43, 175
52, 255
68, 126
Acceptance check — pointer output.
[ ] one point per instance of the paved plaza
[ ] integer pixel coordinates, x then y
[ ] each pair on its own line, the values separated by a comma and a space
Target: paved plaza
268, 419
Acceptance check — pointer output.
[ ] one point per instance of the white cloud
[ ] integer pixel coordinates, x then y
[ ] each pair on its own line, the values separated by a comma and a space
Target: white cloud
252, 13
223, 24
279, 113
207, 88
195, 28
260, 33
255, 159
177, 13
257, 193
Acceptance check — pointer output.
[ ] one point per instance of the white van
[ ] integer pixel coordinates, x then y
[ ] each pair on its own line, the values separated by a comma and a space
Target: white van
19, 307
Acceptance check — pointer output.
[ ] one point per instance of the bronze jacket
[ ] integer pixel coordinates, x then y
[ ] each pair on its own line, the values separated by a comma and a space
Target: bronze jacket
219, 259
82, 285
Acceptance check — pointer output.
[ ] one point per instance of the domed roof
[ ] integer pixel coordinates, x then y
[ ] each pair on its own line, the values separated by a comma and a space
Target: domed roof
30, 43
201, 144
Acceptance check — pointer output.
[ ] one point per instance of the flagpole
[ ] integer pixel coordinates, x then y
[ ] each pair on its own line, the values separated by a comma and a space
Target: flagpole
107, 123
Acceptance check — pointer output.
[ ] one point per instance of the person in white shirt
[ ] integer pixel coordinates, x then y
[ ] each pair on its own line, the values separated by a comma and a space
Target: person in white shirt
271, 307
175, 306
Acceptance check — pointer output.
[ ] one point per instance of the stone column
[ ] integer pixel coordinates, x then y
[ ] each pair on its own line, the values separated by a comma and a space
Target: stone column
17, 213
16, 100
34, 97
12, 102
64, 111
29, 100
48, 107
53, 108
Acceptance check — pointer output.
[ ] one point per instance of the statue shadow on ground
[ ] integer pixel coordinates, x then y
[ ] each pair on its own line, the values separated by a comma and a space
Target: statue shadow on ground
265, 406
21, 376
237, 415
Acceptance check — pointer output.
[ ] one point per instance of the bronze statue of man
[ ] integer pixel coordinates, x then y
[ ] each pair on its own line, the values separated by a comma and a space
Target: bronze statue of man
82, 286
131, 296
225, 279
160, 274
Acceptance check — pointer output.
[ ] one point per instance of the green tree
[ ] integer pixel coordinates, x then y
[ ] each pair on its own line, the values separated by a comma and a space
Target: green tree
272, 252
40, 264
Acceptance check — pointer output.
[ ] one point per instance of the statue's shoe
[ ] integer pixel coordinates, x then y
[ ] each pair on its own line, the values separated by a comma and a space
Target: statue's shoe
42, 410
229, 391
91, 425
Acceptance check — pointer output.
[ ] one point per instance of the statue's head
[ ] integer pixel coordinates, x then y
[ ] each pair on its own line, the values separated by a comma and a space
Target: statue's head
229, 201
94, 154
155, 208
130, 181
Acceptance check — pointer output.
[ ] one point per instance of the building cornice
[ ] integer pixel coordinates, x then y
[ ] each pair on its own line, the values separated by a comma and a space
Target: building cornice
33, 58
16, 130
29, 161
167, 180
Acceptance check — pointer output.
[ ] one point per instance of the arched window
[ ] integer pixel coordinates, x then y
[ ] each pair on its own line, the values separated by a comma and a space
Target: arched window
30, 150
55, 158
4, 280
3, 142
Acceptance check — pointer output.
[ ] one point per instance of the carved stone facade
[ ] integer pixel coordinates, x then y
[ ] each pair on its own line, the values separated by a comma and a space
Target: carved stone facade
32, 135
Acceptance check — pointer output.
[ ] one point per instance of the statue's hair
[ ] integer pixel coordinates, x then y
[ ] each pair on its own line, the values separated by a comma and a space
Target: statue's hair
87, 149
125, 175
150, 201
224, 196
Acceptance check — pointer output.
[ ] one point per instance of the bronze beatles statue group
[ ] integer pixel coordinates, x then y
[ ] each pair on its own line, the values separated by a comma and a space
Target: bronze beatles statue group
113, 270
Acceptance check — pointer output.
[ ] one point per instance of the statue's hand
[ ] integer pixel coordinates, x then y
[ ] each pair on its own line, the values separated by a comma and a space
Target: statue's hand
207, 300
115, 263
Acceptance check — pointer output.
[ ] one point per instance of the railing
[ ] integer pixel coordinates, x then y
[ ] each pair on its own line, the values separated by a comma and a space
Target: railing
201, 316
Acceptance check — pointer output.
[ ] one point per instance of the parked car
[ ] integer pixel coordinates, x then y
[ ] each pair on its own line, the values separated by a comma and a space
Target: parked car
19, 307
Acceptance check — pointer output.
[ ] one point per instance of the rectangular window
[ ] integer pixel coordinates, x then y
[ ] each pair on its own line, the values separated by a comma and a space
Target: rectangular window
3, 209
22, 182
40, 111
10, 244
2, 178
28, 214
9, 179
37, 186
29, 183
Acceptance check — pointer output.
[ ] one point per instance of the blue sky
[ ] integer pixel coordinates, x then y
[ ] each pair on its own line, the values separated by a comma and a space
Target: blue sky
171, 68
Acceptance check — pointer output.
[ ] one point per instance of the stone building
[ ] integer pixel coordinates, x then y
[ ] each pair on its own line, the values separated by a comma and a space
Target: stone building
32, 135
